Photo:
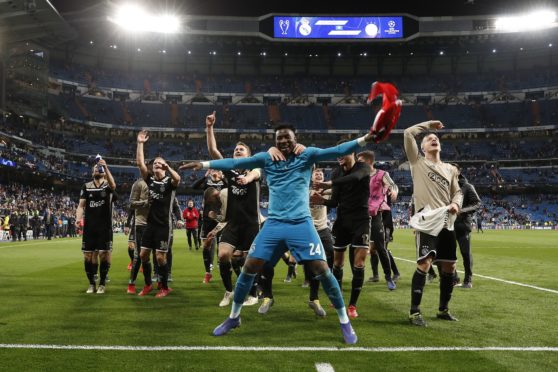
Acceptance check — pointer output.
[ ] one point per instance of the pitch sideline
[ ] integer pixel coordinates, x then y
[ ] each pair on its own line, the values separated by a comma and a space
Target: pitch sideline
395, 349
496, 279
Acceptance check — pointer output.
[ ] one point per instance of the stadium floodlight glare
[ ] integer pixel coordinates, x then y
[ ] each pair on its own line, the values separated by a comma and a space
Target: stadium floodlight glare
536, 20
134, 18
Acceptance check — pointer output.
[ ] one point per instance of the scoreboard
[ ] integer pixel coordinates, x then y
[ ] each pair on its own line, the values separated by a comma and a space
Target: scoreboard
338, 27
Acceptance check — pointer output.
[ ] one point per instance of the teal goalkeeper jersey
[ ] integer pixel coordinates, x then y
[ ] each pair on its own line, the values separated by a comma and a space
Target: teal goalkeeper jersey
289, 180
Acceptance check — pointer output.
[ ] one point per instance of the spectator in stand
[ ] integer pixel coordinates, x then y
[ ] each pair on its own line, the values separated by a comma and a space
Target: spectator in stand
23, 222
14, 224
48, 219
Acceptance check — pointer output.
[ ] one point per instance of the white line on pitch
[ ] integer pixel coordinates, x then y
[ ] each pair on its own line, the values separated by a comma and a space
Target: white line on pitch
277, 348
497, 279
324, 367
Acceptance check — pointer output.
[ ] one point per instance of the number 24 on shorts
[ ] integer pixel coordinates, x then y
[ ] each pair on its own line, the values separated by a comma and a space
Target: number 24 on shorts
315, 249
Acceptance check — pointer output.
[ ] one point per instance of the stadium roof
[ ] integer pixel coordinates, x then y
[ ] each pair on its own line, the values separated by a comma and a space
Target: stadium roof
35, 20
262, 7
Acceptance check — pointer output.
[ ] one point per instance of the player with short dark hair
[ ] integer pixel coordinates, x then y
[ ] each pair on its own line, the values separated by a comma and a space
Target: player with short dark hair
95, 208
158, 232
289, 224
319, 217
437, 199
350, 191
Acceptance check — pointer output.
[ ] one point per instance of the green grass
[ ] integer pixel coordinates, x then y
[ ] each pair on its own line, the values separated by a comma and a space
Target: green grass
43, 302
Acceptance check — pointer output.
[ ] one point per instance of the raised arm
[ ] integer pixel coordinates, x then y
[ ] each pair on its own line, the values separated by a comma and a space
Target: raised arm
140, 160
362, 172
211, 142
334, 152
199, 184
174, 175
253, 175
410, 134
108, 175
256, 161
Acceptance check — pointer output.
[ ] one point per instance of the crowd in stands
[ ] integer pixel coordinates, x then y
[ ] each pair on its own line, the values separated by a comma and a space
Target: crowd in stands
47, 213
264, 116
149, 82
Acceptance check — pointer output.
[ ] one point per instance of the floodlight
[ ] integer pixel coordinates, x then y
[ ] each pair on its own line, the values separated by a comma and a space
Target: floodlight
536, 20
134, 18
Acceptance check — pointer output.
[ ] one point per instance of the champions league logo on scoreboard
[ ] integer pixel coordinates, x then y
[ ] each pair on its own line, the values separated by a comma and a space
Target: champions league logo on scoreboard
392, 30
284, 26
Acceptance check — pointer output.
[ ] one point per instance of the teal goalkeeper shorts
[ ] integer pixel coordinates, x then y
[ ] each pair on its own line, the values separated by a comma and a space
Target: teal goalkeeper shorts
276, 237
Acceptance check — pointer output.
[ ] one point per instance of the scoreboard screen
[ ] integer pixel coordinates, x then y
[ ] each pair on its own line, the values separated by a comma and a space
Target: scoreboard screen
338, 27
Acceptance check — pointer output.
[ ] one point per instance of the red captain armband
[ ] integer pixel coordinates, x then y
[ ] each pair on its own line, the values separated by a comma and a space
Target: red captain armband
387, 116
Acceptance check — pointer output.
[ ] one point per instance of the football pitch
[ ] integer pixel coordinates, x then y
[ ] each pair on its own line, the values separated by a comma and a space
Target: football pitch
507, 322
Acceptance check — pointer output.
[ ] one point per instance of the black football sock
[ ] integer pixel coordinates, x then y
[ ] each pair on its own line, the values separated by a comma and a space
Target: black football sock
169, 261
147, 272
103, 272
207, 260
291, 270
446, 288
417, 287
136, 263
266, 280
338, 274
254, 289
131, 254
164, 275
237, 263
356, 288
225, 269
89, 272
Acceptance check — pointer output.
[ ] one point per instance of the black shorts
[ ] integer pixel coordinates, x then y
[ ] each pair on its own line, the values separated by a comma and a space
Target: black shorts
207, 226
326, 239
350, 232
138, 231
377, 233
239, 236
443, 247
156, 237
93, 242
